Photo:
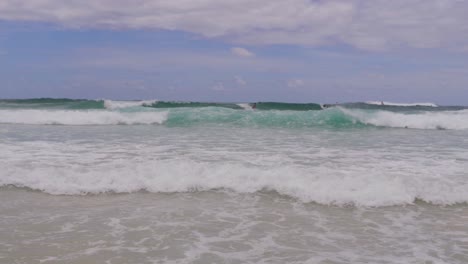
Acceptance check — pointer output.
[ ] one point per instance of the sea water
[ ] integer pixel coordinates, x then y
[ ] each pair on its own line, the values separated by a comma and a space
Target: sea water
86, 181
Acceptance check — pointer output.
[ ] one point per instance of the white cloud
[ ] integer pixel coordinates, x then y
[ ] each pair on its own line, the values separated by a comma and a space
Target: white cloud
295, 83
241, 52
218, 87
370, 25
240, 81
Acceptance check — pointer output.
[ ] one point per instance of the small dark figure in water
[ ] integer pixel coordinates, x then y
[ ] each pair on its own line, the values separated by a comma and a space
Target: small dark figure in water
329, 105
254, 105
381, 103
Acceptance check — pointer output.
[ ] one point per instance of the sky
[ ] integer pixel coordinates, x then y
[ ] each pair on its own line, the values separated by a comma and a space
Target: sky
236, 50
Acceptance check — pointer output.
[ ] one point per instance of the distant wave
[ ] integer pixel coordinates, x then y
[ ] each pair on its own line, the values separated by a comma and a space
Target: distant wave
401, 104
109, 104
83, 104
175, 104
239, 106
456, 120
286, 106
51, 103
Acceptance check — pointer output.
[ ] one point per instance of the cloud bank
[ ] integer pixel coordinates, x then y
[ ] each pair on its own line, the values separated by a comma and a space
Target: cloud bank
363, 24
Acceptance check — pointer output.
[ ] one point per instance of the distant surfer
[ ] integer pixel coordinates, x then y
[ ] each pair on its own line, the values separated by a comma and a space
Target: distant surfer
254, 105
381, 103
329, 105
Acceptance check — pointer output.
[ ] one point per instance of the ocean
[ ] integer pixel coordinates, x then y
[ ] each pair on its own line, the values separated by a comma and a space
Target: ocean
101, 181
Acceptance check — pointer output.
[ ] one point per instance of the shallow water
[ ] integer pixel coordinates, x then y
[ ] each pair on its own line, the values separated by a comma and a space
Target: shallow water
220, 227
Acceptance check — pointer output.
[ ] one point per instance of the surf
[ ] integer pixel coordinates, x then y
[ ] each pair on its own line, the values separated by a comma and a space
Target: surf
332, 118
323, 184
453, 120
75, 118
48, 111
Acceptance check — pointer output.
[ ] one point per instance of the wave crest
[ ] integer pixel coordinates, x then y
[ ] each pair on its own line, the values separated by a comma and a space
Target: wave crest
456, 120
321, 184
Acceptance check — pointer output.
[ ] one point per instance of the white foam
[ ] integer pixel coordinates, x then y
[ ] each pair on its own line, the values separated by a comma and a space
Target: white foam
109, 104
72, 117
456, 120
365, 179
400, 104
245, 106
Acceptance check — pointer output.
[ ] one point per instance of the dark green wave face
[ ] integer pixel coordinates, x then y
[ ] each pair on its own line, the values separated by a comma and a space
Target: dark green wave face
83, 104
64, 103
285, 106
167, 104
52, 103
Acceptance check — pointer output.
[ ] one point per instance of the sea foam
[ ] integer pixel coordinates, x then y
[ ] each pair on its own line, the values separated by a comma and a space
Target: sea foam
73, 117
362, 178
332, 187
110, 104
455, 120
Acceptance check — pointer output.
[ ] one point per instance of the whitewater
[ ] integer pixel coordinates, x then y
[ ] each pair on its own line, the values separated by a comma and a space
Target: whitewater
95, 181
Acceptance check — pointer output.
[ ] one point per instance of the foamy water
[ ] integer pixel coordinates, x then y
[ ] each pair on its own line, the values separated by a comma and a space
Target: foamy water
457, 120
74, 117
219, 227
344, 167
219, 185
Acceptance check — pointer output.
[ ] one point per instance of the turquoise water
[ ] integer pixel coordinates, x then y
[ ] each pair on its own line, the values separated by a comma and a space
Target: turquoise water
46, 111
350, 183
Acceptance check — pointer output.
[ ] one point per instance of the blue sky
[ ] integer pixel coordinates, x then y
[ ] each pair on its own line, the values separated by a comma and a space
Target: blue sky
258, 50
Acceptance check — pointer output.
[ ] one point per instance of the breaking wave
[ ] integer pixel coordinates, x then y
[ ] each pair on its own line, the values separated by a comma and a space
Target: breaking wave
456, 120
73, 117
285, 115
321, 184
